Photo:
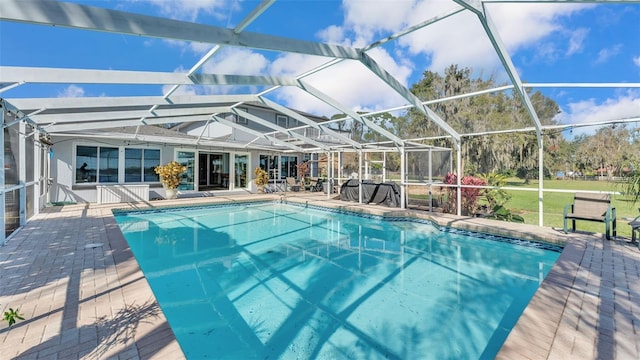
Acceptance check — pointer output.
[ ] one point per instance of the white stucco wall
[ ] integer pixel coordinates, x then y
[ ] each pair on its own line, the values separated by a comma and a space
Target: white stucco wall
63, 186
213, 130
63, 167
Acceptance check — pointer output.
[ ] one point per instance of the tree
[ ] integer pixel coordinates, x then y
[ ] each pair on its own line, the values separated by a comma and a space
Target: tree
481, 113
610, 150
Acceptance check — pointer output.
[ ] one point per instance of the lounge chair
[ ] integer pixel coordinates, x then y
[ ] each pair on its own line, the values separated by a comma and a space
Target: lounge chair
292, 184
591, 207
635, 228
317, 186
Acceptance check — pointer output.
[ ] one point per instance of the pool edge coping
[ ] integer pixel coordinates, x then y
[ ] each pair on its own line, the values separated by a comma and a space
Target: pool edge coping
550, 342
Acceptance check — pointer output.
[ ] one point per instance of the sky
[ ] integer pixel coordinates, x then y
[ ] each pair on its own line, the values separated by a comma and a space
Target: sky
548, 43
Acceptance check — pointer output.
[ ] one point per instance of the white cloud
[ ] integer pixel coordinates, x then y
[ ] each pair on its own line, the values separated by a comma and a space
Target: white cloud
626, 105
456, 40
333, 34
461, 39
607, 53
636, 60
181, 90
294, 64
71, 91
369, 19
576, 41
227, 61
364, 91
191, 9
523, 25
197, 47
238, 61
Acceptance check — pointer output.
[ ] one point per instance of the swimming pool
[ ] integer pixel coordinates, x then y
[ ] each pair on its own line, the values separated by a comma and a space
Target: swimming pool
270, 280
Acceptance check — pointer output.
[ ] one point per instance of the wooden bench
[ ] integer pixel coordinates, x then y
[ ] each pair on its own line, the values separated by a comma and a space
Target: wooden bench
591, 207
635, 228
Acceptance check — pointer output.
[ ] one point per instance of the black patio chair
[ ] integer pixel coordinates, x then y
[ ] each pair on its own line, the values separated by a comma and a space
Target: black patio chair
317, 186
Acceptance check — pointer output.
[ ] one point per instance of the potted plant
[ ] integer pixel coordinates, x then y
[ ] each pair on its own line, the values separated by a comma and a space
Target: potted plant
303, 170
261, 178
170, 177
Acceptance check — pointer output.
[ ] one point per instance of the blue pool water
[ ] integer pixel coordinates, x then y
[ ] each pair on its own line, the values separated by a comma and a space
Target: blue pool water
270, 280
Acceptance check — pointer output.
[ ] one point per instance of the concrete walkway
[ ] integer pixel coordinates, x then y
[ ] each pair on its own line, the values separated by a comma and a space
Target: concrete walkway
70, 272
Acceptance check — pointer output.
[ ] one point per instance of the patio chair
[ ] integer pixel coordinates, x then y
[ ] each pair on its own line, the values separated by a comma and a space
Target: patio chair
635, 228
591, 207
292, 184
317, 186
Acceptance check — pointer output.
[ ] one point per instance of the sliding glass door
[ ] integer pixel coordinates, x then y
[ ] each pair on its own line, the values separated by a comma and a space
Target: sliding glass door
240, 175
213, 171
188, 159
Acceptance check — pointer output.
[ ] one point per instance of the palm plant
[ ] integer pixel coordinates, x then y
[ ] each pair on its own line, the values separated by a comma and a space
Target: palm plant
631, 185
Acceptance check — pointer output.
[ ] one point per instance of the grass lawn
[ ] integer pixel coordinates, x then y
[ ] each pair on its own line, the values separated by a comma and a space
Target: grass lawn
525, 203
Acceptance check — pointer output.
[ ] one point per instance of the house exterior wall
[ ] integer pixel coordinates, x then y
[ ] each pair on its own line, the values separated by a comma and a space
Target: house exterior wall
265, 114
66, 188
214, 129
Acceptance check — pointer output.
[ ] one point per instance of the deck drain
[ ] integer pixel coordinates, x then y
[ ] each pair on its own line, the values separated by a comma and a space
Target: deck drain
93, 246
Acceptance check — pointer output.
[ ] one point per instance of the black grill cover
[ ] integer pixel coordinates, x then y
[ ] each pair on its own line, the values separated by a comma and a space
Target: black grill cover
387, 193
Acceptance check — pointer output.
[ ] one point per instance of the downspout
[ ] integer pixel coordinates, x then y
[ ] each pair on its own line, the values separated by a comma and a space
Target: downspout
328, 174
459, 177
339, 170
360, 176
403, 175
430, 180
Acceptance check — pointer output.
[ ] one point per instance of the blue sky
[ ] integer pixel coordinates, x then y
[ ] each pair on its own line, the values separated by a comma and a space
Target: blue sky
547, 42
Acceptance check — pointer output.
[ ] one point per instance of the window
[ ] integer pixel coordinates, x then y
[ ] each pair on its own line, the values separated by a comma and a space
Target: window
188, 159
101, 164
288, 166
86, 164
132, 165
240, 177
151, 159
140, 164
269, 163
108, 165
240, 119
281, 120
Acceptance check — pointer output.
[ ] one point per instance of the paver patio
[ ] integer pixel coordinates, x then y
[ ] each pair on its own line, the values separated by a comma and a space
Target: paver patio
70, 272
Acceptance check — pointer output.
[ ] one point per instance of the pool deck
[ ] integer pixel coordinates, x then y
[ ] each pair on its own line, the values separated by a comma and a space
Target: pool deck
83, 296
